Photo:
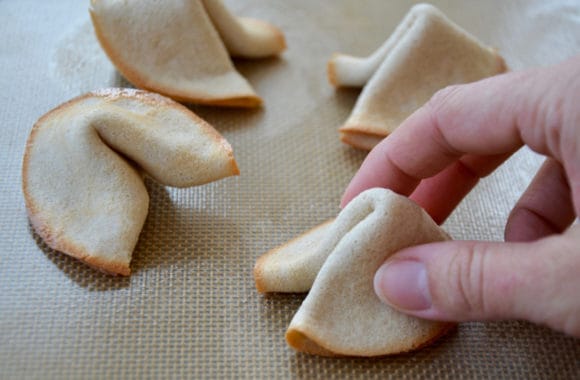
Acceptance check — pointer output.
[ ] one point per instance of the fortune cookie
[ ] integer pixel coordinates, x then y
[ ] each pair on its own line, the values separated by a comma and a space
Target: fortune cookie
181, 48
83, 163
342, 315
425, 53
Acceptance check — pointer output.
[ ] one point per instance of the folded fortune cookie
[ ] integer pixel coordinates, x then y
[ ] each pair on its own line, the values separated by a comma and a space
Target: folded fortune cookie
342, 316
81, 173
180, 48
425, 53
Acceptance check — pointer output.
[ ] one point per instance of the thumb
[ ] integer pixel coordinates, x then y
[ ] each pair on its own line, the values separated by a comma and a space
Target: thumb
463, 281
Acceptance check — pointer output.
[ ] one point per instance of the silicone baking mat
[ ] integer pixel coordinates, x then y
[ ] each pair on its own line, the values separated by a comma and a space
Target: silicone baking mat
190, 309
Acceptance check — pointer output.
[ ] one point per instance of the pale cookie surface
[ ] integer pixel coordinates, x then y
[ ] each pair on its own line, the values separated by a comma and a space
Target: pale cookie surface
292, 267
84, 197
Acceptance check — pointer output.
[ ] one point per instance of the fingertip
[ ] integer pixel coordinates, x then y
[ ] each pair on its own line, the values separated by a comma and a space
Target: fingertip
403, 284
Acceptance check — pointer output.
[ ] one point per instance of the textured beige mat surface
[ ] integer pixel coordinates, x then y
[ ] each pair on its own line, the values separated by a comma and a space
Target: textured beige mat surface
190, 309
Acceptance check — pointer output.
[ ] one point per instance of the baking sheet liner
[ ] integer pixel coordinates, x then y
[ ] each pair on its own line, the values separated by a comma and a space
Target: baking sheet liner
190, 309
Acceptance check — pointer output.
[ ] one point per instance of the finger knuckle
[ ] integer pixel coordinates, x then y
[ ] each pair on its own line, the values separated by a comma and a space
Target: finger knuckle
443, 97
441, 107
466, 273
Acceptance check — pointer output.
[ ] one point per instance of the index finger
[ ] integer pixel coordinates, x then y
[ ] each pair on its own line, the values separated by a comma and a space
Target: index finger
481, 119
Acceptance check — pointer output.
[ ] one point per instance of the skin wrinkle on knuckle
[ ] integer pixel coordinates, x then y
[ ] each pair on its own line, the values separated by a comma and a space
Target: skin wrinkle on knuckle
466, 281
539, 121
401, 171
457, 299
442, 97
525, 126
436, 107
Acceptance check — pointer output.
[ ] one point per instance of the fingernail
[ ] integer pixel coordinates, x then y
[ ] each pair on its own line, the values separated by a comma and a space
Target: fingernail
403, 284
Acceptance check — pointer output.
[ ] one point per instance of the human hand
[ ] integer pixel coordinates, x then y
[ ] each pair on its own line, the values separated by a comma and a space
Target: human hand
438, 155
